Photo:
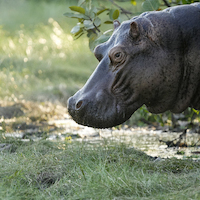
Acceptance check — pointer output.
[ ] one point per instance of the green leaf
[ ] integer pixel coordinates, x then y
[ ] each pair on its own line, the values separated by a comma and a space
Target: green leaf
196, 111
93, 9
77, 9
111, 14
97, 21
92, 41
92, 15
78, 16
75, 29
149, 5
101, 11
79, 34
95, 39
186, 1
115, 14
89, 33
103, 38
81, 20
108, 22
88, 24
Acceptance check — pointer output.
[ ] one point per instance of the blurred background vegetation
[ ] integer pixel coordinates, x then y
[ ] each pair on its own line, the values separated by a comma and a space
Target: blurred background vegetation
40, 60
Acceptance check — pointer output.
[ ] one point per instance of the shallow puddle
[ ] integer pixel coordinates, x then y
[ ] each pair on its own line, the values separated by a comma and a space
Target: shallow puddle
145, 139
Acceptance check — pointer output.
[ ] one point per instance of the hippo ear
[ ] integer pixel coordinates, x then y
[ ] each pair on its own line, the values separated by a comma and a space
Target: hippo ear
116, 24
134, 30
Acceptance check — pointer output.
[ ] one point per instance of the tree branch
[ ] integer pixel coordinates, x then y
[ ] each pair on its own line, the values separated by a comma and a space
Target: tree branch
124, 11
166, 3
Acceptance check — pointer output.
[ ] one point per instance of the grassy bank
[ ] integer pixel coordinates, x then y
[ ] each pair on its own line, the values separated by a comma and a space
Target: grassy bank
46, 170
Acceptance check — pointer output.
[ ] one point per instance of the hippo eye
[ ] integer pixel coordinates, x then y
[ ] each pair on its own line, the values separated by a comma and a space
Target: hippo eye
117, 56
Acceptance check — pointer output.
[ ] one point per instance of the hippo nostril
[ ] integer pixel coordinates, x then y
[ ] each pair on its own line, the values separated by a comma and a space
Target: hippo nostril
79, 104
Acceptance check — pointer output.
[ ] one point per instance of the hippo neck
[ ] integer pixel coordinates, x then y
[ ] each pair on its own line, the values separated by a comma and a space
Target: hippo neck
189, 92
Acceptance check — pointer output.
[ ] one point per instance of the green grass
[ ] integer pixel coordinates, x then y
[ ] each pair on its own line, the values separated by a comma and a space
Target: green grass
46, 170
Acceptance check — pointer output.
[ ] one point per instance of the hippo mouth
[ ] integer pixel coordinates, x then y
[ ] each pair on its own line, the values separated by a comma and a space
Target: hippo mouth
96, 115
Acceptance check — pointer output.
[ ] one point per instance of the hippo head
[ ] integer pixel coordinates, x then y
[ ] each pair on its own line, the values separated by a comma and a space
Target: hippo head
135, 67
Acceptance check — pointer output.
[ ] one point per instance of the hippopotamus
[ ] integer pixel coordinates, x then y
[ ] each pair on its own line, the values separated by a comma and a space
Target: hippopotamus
152, 59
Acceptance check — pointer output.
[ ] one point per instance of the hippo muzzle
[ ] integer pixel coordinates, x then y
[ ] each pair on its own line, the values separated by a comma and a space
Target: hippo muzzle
89, 111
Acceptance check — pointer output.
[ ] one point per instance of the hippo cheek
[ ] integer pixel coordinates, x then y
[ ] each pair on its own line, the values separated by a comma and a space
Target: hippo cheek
99, 110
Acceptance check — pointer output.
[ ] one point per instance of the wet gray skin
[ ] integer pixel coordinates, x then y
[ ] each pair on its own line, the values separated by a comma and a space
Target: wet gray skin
152, 59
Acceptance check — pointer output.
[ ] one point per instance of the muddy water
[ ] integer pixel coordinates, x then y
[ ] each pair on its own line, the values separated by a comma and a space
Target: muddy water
145, 139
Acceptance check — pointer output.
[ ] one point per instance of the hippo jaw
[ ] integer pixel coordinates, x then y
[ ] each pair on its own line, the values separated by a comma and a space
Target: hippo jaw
93, 113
